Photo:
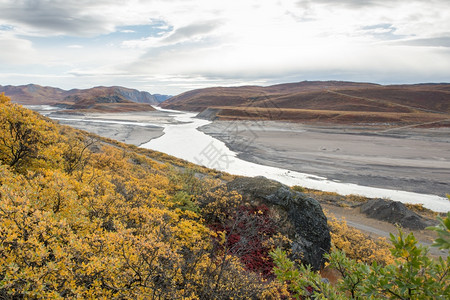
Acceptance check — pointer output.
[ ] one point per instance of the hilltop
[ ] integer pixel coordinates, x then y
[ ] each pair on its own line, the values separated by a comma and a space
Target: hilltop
323, 102
106, 99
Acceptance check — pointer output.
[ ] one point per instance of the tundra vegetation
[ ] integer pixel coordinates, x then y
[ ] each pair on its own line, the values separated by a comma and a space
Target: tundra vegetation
86, 217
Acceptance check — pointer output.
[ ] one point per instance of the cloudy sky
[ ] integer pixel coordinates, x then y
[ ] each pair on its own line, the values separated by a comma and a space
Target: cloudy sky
171, 46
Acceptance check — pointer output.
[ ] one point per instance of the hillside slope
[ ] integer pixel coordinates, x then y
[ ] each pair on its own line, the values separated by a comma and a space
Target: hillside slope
87, 217
333, 101
94, 99
84, 217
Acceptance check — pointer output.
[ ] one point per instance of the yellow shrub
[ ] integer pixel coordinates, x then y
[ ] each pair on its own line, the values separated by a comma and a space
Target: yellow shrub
358, 245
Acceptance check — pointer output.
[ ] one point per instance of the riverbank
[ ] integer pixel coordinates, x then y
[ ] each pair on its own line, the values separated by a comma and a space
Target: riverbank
135, 128
414, 160
138, 128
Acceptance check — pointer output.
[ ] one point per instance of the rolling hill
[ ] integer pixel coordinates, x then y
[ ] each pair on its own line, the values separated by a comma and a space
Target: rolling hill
328, 101
94, 99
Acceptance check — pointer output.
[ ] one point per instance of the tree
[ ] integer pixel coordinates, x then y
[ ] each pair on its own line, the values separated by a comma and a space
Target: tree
301, 280
443, 231
23, 134
413, 275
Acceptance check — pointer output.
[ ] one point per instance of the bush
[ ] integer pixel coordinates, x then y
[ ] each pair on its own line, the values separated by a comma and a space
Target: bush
412, 275
357, 245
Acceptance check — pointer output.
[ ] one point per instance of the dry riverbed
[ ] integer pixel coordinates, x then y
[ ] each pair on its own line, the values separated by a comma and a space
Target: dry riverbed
415, 160
134, 128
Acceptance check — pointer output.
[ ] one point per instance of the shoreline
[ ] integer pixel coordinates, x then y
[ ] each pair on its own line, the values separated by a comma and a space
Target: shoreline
135, 128
413, 160
408, 160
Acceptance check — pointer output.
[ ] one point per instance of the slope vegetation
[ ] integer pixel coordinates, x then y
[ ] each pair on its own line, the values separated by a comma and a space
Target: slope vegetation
86, 218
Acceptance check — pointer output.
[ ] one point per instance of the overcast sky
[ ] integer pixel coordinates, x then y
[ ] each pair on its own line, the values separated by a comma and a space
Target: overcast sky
171, 46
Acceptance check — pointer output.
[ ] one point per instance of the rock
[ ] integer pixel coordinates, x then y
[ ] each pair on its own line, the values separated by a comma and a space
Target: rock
302, 217
209, 114
136, 96
394, 212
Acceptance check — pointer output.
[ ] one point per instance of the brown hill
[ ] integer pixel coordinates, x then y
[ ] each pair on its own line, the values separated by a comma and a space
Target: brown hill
108, 99
32, 94
200, 99
94, 99
330, 101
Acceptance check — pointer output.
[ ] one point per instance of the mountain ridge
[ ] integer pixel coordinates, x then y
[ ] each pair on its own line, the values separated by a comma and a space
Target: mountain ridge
322, 101
99, 98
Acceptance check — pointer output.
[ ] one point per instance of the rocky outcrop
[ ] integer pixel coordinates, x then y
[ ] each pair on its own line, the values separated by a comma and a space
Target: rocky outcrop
394, 212
137, 96
209, 114
302, 217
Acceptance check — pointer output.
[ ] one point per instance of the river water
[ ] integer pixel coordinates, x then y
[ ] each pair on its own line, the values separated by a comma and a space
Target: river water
183, 140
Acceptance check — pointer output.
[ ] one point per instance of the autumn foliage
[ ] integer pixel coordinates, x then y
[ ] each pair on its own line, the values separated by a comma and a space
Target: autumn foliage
83, 217
80, 218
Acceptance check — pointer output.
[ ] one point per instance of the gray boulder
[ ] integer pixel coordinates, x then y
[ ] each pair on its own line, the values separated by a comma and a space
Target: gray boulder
394, 212
300, 217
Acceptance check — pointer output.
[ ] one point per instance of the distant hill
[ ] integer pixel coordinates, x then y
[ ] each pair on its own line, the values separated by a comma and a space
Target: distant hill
94, 99
322, 101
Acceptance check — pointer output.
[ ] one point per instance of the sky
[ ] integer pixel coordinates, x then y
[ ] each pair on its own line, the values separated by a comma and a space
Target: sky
171, 46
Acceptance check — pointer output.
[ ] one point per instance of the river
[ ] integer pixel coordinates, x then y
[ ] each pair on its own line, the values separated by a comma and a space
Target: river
185, 141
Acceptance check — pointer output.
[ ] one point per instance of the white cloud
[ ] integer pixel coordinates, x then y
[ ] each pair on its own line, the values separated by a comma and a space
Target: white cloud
223, 42
75, 46
16, 50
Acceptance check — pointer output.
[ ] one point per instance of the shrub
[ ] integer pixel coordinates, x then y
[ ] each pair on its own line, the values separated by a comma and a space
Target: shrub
357, 245
412, 275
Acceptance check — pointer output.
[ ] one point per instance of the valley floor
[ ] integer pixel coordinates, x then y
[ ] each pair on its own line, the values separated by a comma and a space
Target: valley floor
410, 159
